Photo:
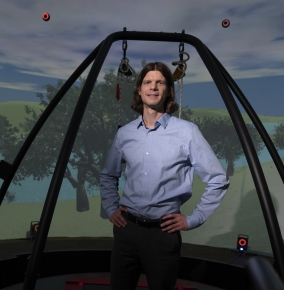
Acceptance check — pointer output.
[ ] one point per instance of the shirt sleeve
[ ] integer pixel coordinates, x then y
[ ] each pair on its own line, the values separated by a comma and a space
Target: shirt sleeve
109, 178
209, 169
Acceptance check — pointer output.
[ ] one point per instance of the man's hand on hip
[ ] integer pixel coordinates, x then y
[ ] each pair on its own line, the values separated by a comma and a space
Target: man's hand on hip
117, 219
174, 222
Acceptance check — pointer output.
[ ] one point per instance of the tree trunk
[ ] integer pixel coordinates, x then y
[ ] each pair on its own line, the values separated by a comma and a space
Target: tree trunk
230, 168
82, 201
82, 198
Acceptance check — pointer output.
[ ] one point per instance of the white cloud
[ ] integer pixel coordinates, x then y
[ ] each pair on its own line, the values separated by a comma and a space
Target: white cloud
56, 48
21, 86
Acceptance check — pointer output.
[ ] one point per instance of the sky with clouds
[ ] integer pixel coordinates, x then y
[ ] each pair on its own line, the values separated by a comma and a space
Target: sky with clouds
33, 51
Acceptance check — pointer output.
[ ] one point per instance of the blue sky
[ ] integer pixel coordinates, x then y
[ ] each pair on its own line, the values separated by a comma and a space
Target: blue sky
34, 52
265, 94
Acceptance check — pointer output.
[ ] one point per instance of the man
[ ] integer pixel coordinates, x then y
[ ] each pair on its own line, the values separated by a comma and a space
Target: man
161, 153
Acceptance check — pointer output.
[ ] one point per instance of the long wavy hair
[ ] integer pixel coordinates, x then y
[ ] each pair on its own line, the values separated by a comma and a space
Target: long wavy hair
170, 103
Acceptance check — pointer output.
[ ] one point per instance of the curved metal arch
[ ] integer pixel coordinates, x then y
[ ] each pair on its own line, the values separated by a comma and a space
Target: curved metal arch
250, 153
43, 118
255, 119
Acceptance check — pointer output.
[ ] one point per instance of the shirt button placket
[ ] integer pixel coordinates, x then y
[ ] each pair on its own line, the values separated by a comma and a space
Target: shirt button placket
146, 164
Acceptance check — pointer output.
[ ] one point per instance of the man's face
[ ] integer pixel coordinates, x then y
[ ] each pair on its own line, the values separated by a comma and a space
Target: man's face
153, 91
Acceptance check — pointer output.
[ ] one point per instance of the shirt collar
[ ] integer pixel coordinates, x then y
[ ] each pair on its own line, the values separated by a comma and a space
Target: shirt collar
163, 121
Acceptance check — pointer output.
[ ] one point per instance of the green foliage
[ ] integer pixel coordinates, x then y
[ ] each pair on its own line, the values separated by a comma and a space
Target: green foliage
10, 143
221, 135
93, 140
8, 138
279, 136
186, 113
10, 197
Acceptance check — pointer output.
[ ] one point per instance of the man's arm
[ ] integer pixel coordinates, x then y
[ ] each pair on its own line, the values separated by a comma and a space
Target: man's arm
211, 172
109, 185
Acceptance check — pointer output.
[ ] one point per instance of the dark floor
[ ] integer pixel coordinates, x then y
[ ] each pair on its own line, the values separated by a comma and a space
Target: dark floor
59, 282
11, 248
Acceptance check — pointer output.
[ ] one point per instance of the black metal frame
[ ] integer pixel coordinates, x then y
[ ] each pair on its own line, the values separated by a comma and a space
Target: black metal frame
262, 276
252, 114
220, 77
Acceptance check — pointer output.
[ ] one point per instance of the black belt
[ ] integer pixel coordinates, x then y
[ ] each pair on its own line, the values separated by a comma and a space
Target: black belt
147, 223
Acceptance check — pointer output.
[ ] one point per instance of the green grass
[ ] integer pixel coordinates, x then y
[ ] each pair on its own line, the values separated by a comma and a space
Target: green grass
264, 118
207, 112
215, 113
239, 213
15, 111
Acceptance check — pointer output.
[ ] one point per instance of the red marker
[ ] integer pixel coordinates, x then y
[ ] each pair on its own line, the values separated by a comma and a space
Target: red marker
226, 23
242, 242
45, 16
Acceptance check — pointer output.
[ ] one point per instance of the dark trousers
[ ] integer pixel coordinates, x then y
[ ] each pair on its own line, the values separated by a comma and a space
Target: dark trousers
138, 248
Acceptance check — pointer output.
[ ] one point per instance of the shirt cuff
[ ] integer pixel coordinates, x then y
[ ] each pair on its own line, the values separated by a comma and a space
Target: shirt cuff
111, 210
193, 222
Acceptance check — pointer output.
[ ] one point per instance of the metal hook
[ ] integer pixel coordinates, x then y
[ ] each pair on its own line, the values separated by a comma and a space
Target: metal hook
181, 66
124, 67
183, 52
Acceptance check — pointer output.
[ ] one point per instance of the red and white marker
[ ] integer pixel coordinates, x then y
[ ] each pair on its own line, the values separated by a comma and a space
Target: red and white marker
45, 16
226, 23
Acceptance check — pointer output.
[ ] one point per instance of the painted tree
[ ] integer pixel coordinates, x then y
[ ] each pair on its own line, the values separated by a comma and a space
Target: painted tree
221, 135
186, 113
10, 142
93, 140
279, 136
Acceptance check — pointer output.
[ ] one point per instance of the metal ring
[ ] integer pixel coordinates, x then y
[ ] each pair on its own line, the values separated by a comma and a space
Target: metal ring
124, 67
182, 67
183, 52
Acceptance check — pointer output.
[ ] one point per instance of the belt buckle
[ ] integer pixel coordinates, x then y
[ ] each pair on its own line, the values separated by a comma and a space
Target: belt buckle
141, 222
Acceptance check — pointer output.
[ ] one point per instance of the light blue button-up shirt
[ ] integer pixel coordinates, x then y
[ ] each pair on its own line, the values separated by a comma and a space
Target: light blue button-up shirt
160, 164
